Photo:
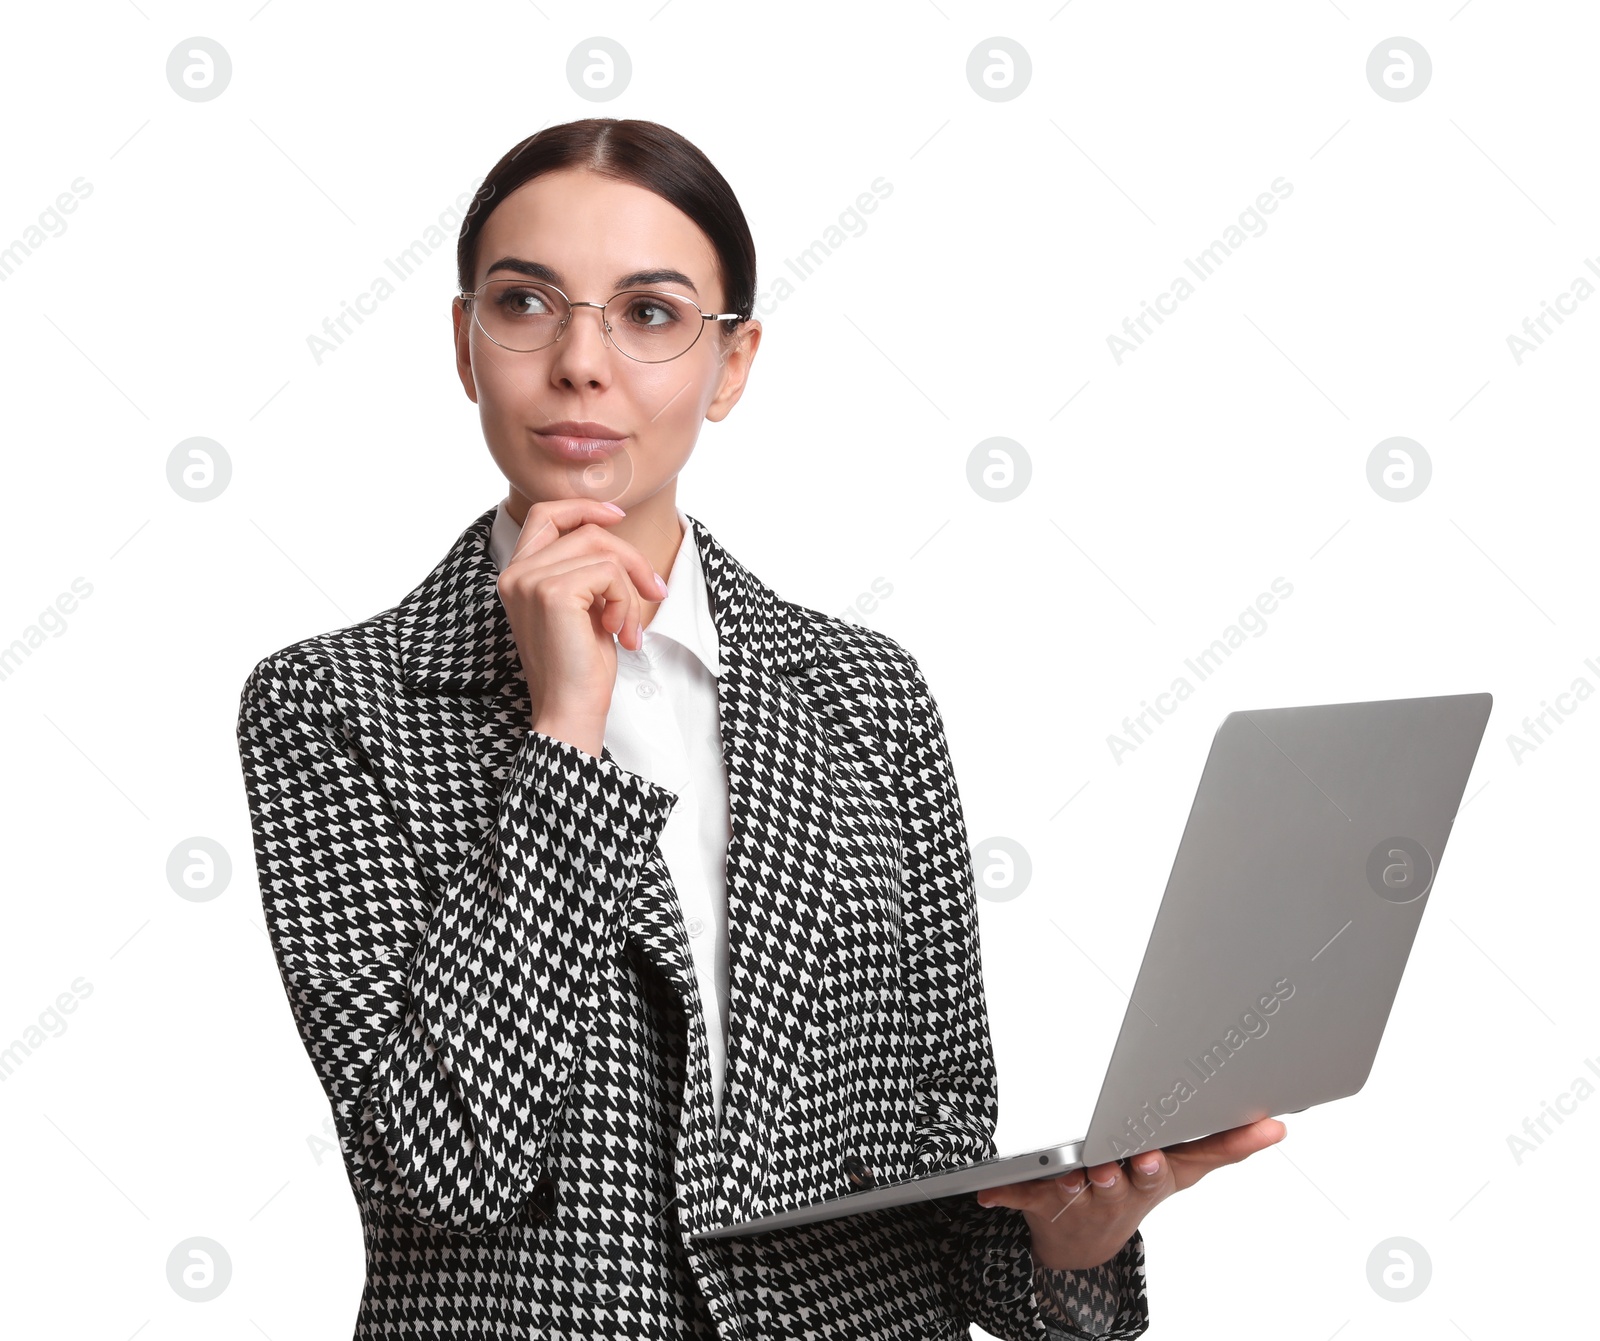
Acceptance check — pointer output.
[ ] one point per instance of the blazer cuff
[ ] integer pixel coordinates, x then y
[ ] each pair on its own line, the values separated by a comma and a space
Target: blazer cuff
1102, 1301
998, 1286
567, 820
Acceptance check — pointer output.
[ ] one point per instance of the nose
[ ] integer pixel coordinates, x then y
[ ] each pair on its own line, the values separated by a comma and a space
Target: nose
579, 356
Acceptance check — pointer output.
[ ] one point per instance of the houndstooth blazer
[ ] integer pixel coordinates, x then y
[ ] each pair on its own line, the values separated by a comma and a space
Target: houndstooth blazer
487, 964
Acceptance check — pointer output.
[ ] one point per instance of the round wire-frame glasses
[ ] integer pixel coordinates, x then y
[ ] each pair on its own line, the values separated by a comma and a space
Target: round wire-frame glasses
608, 332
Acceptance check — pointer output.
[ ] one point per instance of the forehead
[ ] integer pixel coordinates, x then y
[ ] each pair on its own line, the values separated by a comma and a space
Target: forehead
592, 228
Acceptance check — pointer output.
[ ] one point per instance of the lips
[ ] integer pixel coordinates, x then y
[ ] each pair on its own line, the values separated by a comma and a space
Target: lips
580, 428
579, 439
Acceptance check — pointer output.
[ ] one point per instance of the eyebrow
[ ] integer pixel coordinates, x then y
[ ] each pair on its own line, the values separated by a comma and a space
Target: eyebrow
538, 270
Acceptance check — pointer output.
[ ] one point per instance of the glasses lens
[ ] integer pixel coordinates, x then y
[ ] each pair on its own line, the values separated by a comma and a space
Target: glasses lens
520, 314
652, 327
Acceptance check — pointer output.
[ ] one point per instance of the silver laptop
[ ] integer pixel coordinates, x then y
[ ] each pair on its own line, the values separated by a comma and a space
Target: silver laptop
1303, 871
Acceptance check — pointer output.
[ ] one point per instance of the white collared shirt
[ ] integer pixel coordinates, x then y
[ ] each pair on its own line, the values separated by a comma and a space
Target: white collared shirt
663, 725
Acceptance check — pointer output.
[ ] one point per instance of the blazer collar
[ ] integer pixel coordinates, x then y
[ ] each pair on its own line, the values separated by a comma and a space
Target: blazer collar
455, 636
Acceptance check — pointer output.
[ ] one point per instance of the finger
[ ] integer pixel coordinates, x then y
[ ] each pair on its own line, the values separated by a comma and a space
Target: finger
1033, 1195
622, 617
1073, 1190
603, 578
586, 539
549, 519
1053, 1203
629, 622
1107, 1183
1015, 1195
1148, 1171
554, 520
626, 621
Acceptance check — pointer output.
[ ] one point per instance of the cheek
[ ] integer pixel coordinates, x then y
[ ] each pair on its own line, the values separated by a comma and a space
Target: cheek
506, 388
673, 396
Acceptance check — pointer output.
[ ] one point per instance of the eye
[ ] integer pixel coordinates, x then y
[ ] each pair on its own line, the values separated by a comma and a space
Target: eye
653, 311
518, 301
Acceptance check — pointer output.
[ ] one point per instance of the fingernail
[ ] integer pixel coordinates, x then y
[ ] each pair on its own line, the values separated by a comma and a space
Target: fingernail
660, 581
615, 508
1109, 1182
1149, 1165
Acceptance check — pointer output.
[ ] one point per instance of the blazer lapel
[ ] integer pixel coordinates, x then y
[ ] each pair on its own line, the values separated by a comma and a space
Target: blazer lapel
454, 637
779, 860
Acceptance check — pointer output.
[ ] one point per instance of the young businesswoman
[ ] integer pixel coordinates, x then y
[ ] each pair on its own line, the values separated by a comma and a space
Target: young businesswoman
616, 897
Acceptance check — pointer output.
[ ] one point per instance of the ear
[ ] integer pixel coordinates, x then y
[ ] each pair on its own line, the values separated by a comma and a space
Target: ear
735, 357
461, 318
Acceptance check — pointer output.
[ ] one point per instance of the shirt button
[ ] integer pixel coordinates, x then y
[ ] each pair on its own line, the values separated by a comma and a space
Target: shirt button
696, 926
645, 688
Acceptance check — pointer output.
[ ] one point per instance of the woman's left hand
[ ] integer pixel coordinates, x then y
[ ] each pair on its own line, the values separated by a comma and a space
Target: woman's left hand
1077, 1224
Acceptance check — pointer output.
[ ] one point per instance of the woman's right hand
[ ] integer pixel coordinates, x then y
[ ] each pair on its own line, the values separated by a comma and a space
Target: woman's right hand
569, 587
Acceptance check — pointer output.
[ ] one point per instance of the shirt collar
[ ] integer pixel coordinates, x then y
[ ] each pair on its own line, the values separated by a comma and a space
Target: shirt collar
684, 614
452, 634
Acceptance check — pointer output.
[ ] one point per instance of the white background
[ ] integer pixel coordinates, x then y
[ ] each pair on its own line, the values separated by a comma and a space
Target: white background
1167, 491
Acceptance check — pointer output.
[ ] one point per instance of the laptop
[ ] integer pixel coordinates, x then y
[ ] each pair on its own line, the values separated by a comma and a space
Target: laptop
1310, 850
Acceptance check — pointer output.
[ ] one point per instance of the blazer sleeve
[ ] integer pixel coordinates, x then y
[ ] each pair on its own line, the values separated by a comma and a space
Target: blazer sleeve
441, 1010
985, 1251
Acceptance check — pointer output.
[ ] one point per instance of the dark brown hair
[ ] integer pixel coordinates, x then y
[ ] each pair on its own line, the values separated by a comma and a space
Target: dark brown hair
646, 154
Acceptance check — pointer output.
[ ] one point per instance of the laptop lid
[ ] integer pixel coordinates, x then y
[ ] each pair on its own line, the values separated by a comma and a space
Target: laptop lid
1301, 877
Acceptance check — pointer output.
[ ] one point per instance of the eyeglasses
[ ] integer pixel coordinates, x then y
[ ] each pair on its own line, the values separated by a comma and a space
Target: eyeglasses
648, 327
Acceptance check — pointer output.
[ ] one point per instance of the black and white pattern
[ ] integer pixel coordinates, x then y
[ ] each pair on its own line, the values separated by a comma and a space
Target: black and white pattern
487, 963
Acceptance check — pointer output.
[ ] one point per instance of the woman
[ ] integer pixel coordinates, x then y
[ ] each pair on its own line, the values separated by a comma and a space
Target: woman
609, 913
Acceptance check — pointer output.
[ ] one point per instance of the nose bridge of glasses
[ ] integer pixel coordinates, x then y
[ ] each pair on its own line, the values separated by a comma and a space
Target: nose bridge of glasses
573, 305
